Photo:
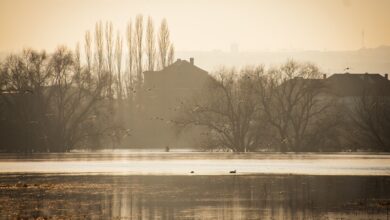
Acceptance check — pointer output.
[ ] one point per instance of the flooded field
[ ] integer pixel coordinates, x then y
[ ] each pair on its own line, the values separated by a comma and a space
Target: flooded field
194, 197
201, 163
160, 185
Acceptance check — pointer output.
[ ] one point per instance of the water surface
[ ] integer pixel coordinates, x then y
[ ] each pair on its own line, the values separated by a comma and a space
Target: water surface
201, 163
160, 185
194, 197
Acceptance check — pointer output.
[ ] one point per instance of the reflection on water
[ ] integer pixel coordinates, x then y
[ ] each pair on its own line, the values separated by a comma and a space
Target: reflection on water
194, 197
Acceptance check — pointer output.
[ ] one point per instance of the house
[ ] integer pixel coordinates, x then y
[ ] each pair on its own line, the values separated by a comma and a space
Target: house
167, 88
162, 94
347, 87
358, 84
178, 79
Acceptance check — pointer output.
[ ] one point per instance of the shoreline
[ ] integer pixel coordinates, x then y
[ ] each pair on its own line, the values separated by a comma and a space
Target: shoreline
21, 174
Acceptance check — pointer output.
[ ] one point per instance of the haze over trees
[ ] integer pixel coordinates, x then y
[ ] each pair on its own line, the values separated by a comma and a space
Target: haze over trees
63, 101
293, 102
49, 102
94, 97
371, 120
287, 108
227, 109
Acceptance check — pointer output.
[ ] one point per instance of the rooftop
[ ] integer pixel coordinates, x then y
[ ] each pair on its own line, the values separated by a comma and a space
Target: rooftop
180, 74
356, 84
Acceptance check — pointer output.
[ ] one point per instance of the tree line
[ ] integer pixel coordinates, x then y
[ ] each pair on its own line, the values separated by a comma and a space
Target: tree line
61, 101
285, 108
68, 99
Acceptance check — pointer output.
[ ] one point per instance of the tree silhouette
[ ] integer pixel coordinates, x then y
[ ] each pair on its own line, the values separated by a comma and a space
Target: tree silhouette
164, 43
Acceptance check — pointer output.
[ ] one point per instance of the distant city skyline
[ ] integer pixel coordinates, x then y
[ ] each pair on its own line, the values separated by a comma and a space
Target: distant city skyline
202, 25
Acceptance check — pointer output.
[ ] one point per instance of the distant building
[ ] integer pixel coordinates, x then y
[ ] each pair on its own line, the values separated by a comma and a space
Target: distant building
178, 79
165, 89
163, 93
358, 84
348, 87
351, 85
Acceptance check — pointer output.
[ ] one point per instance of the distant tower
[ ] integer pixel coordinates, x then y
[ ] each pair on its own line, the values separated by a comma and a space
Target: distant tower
363, 43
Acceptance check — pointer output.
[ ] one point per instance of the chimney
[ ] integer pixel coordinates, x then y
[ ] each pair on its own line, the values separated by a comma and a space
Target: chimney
192, 61
324, 76
386, 76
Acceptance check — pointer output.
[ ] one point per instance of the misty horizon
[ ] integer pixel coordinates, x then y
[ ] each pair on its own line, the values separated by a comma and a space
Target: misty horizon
203, 25
183, 109
363, 60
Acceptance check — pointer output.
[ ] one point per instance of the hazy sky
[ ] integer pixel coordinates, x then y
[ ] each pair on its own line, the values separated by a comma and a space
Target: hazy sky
204, 24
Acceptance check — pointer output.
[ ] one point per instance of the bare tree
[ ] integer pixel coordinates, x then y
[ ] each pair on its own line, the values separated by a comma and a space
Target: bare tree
163, 44
49, 101
131, 51
291, 99
109, 57
64, 99
138, 35
171, 54
150, 45
118, 58
72, 105
77, 68
371, 119
23, 79
99, 50
88, 50
228, 112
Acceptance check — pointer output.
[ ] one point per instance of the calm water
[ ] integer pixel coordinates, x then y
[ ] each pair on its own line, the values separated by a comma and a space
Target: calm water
182, 163
159, 185
194, 197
